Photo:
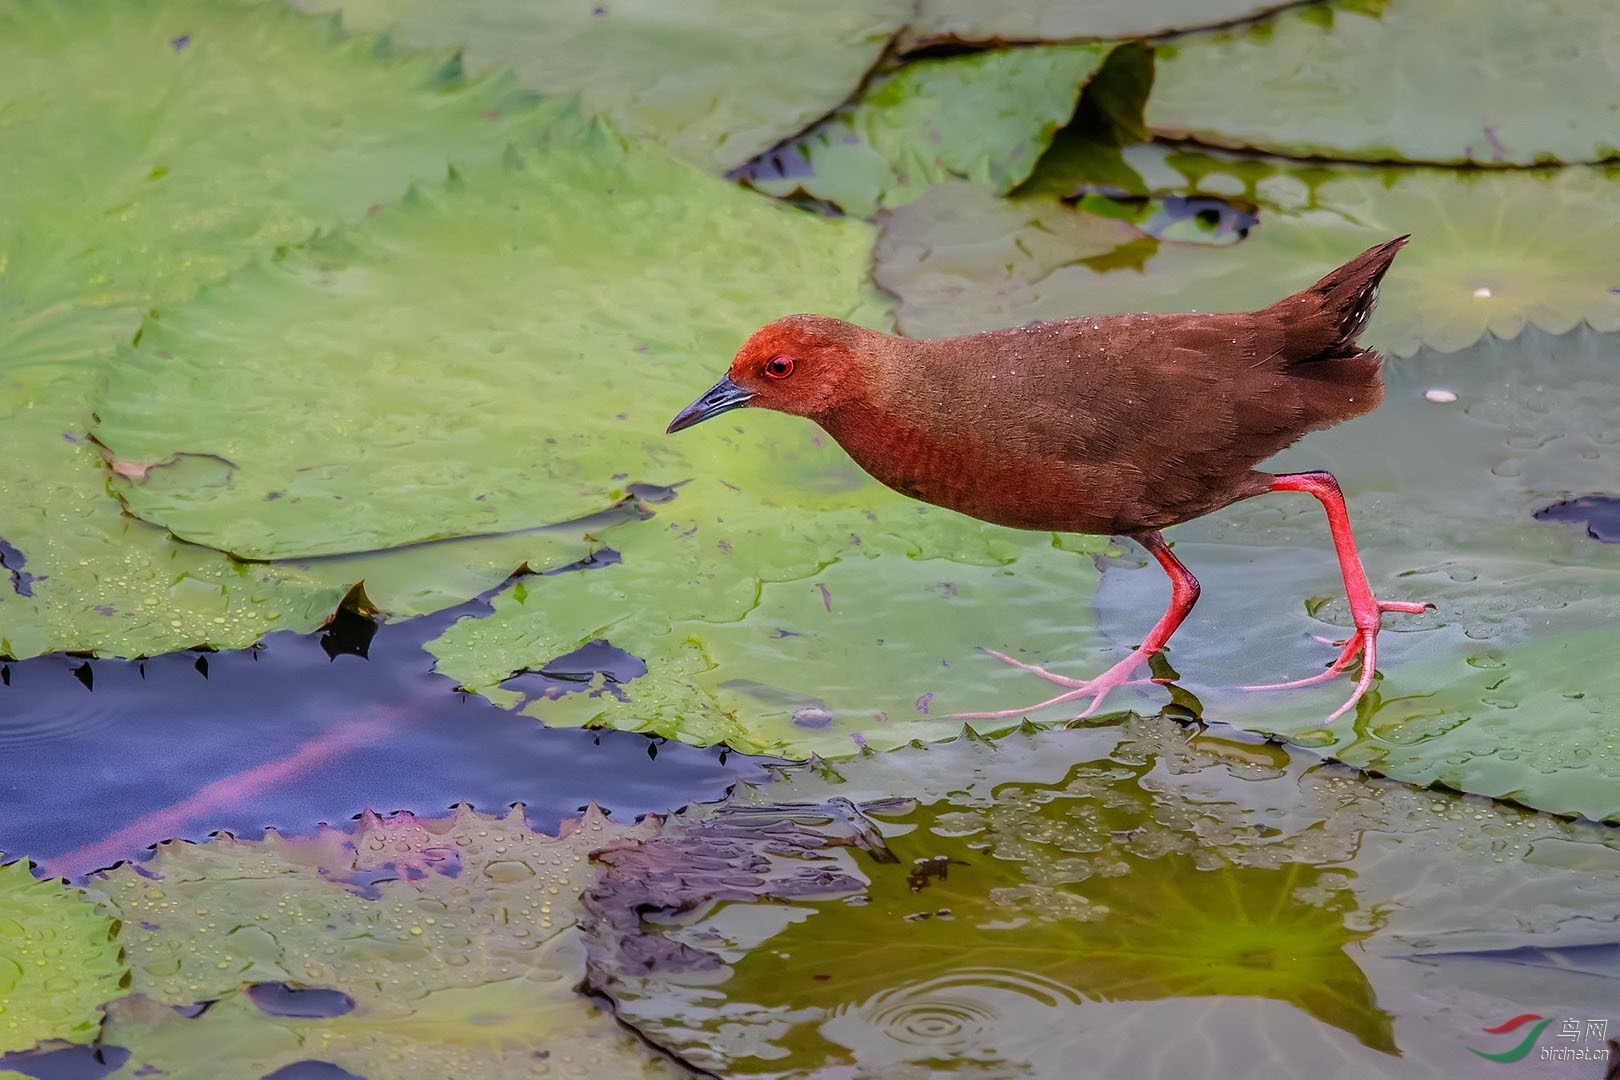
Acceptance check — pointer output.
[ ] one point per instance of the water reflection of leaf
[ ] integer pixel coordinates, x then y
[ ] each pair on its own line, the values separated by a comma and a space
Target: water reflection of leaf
1130, 928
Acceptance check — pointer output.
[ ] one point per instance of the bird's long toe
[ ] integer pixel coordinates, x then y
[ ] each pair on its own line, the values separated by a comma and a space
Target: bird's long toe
1096, 689
1347, 655
1049, 676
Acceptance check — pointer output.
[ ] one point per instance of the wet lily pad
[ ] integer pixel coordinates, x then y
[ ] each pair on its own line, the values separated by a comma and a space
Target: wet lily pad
454, 938
146, 148
985, 117
493, 357
1491, 253
1489, 82
1533, 724
1048, 897
1504, 691
718, 80
1055, 20
780, 624
59, 959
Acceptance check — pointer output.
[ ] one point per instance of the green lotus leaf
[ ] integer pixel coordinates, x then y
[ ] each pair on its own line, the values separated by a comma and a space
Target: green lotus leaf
1491, 253
454, 938
1018, 905
489, 1030
493, 357
984, 117
780, 625
58, 960
150, 146
1533, 724
146, 148
717, 80
1488, 82
1055, 20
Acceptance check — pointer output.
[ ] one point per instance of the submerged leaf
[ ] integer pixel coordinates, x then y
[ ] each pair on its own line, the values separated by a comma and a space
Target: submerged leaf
1003, 916
59, 959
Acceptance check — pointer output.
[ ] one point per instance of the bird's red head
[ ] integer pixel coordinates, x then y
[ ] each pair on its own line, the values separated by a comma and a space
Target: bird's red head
803, 364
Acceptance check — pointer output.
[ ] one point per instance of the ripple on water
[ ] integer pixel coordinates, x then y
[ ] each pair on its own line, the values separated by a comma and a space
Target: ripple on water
979, 1014
75, 711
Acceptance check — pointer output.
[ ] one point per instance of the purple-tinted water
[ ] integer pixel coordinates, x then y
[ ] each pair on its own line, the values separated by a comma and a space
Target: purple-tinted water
103, 758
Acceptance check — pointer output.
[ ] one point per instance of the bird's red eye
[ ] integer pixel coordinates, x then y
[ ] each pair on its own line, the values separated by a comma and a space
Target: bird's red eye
779, 367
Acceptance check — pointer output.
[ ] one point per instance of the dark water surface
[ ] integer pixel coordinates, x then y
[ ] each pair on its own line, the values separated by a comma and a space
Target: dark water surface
106, 757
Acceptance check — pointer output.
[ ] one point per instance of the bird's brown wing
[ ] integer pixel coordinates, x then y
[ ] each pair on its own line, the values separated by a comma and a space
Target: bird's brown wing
1136, 422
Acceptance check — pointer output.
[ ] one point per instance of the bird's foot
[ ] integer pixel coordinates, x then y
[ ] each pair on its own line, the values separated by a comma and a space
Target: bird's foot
1364, 644
1095, 689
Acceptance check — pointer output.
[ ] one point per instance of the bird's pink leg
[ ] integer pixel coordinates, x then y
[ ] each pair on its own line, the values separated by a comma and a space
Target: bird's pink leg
1365, 608
1183, 595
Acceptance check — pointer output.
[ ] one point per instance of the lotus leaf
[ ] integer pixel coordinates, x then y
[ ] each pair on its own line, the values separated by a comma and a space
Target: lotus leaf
717, 80
493, 357
984, 117
1491, 253
59, 959
782, 628
1487, 82
454, 938
1056, 20
145, 148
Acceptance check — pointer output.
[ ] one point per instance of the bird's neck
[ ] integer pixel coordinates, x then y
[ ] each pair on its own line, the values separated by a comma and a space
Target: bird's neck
897, 450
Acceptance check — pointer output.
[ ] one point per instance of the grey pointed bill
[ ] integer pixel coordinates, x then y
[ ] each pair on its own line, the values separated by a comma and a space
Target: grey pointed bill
723, 396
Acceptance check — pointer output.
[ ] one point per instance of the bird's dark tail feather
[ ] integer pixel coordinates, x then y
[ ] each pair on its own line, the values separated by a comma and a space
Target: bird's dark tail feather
1324, 320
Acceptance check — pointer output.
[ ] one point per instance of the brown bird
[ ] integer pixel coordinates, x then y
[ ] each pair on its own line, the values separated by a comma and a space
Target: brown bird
1107, 424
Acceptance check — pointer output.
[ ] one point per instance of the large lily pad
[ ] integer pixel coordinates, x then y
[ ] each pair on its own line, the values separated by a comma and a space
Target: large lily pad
132, 172
717, 80
1491, 253
1488, 82
145, 148
1055, 896
1058, 20
986, 117
438, 947
59, 959
493, 357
